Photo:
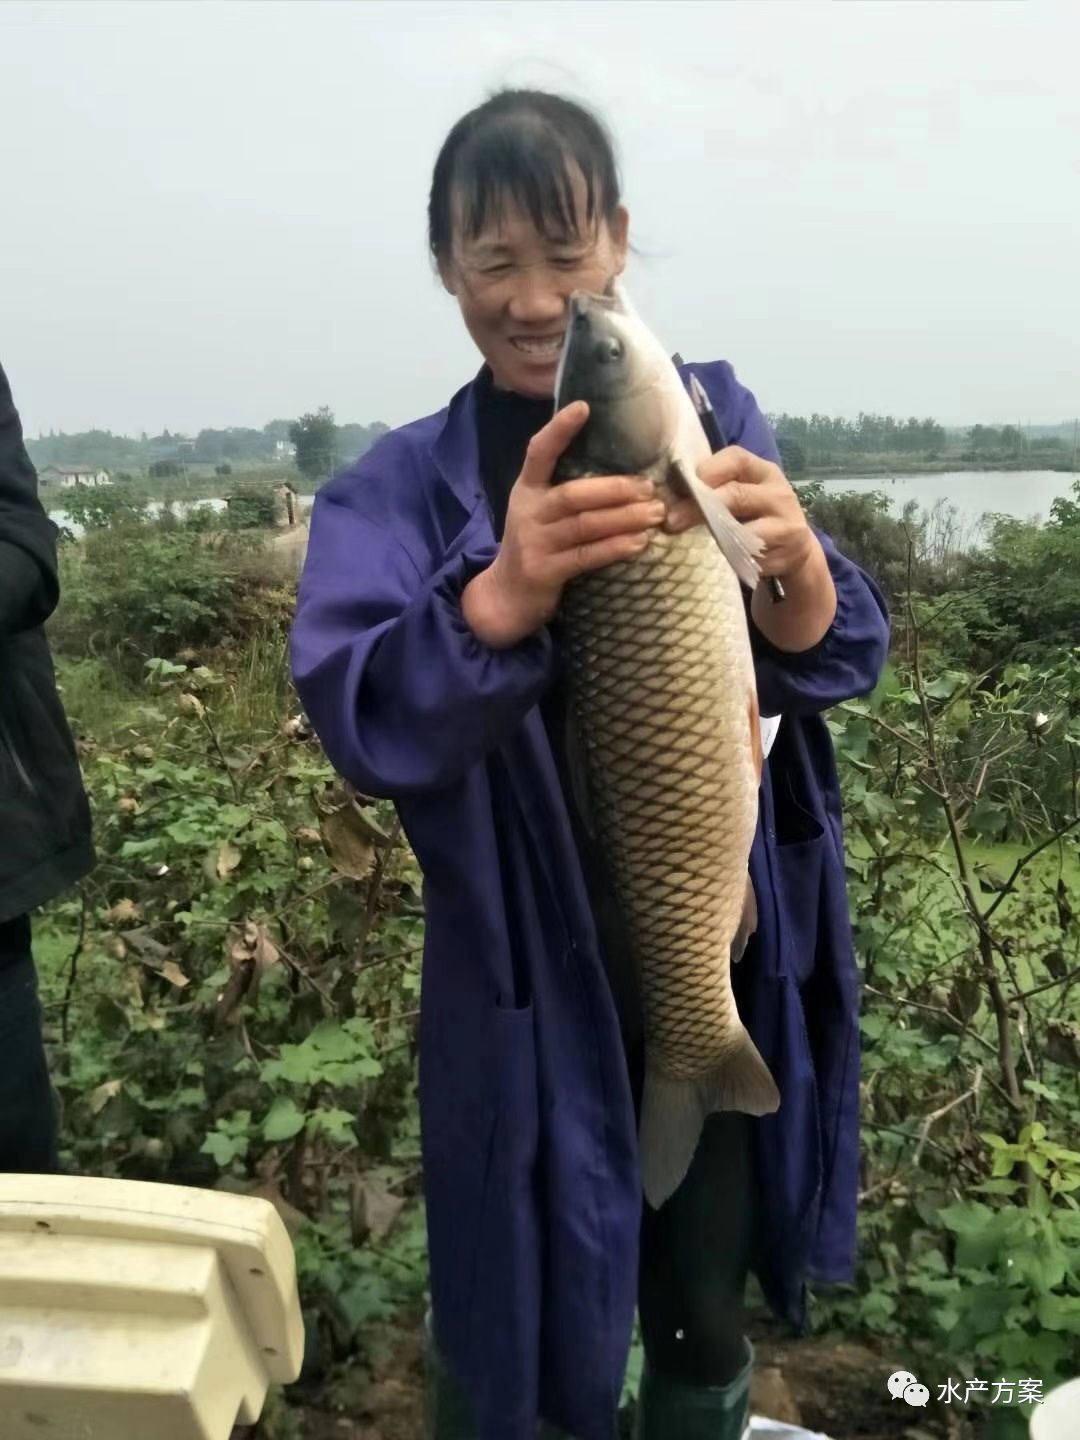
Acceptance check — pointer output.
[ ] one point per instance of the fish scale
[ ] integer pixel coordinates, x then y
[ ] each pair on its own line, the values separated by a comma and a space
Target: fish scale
659, 684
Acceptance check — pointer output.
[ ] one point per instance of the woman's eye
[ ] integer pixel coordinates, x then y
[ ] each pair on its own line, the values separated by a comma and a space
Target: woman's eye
567, 262
495, 270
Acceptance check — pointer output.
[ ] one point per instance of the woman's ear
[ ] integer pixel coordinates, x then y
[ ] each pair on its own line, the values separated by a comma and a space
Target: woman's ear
446, 275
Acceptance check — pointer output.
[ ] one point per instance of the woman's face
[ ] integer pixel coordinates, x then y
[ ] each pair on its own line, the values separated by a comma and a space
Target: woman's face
513, 285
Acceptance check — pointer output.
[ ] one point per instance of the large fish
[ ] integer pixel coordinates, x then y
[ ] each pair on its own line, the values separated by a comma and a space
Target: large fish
663, 698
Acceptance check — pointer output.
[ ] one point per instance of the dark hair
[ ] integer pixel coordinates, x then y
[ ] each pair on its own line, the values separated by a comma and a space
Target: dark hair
522, 146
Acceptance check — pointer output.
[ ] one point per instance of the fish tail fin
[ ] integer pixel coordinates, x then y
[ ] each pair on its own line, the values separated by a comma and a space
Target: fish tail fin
673, 1113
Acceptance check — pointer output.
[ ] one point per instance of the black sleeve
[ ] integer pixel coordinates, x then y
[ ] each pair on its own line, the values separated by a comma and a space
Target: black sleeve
29, 588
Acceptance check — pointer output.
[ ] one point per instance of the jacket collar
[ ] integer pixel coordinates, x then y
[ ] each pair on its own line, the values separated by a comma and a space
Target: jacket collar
456, 452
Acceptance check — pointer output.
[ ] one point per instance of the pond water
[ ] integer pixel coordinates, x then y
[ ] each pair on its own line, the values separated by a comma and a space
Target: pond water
1024, 494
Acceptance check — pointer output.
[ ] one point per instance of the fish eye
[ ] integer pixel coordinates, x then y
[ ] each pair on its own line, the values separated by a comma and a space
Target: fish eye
609, 350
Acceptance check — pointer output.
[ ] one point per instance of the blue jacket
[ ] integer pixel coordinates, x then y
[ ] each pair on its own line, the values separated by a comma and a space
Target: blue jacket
529, 1144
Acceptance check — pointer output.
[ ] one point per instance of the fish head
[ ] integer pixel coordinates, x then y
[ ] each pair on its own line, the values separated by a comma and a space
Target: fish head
613, 361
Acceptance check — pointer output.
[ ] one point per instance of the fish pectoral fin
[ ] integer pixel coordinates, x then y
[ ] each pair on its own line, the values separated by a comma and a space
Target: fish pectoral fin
769, 725
673, 1113
740, 546
747, 924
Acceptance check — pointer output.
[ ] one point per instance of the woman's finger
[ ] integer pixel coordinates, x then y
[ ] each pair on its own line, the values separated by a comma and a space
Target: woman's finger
595, 492
592, 525
548, 444
599, 553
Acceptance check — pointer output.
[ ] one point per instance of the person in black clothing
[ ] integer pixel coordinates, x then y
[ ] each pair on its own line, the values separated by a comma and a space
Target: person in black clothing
45, 840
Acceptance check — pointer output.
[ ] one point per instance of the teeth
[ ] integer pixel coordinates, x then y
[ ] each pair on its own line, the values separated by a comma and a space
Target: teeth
538, 347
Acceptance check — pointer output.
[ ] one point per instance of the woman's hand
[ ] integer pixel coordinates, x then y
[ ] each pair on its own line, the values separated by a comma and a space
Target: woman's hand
758, 493
554, 532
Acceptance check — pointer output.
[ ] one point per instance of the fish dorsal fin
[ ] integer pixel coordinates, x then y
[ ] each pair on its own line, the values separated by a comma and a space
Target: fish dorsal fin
740, 546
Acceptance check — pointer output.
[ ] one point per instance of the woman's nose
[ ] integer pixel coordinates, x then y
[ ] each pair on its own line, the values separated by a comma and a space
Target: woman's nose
538, 298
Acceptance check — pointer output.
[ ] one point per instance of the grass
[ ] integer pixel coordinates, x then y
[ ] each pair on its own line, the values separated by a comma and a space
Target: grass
98, 700
255, 691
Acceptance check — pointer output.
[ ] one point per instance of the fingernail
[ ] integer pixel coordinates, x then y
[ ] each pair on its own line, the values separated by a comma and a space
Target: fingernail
648, 487
658, 511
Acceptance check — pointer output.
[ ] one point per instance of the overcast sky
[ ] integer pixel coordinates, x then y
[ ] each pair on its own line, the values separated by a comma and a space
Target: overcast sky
213, 214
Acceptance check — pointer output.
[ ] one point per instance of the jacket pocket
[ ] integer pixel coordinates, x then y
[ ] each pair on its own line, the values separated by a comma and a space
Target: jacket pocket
798, 871
14, 776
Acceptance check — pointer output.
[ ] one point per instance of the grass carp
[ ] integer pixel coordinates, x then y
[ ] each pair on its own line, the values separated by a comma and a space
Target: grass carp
664, 701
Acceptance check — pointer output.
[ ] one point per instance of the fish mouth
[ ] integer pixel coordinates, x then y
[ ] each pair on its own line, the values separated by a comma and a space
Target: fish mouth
582, 301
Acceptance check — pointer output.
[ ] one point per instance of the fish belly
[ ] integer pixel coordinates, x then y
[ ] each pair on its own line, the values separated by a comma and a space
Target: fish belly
662, 680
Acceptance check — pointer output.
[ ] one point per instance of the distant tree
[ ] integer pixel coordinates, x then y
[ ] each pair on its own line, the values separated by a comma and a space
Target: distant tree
354, 440
225, 469
315, 438
164, 469
1011, 440
792, 455
984, 437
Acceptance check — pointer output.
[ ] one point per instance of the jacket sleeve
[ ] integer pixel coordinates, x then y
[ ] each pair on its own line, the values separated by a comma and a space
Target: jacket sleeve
402, 694
28, 582
846, 662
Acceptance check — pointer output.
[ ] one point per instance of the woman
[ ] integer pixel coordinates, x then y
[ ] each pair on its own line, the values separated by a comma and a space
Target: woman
425, 651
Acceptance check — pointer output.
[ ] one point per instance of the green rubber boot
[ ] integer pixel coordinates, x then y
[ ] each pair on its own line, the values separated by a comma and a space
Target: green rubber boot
674, 1410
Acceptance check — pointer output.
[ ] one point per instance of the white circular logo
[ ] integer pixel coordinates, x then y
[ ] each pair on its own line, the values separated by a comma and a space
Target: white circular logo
899, 1382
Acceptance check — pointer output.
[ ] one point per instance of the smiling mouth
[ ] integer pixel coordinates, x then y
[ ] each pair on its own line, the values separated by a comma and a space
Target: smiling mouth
545, 347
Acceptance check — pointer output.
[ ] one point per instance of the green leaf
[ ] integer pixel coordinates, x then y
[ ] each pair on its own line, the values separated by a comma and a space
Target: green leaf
284, 1120
339, 1126
234, 817
1059, 1312
998, 1187
1016, 674
224, 1148
945, 684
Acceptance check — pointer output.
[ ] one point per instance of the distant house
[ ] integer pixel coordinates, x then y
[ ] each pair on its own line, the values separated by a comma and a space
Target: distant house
67, 477
284, 450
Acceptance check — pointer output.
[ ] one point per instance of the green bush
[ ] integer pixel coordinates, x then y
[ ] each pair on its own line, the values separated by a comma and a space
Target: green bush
141, 590
251, 510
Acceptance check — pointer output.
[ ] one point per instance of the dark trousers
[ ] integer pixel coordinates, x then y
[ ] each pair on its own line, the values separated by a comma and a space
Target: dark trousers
695, 1252
28, 1139
695, 1257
